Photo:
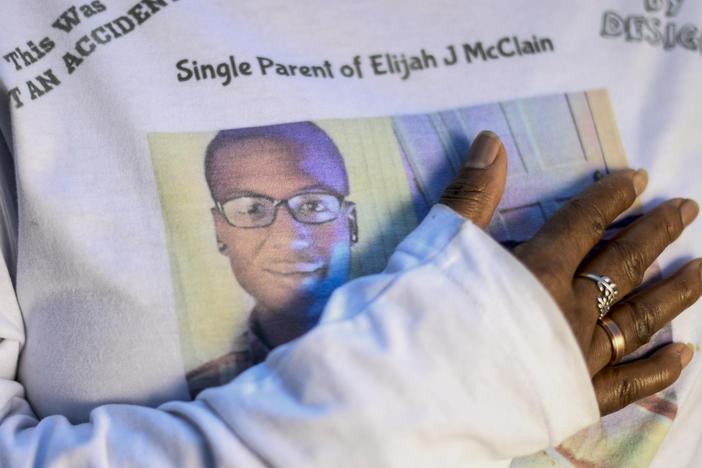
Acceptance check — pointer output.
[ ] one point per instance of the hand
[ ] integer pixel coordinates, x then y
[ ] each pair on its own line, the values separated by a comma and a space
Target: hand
555, 255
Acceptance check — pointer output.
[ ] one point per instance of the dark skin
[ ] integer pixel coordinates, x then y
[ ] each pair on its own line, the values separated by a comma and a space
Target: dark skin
555, 256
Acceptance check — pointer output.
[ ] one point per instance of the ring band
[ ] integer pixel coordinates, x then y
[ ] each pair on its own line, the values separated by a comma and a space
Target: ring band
609, 291
616, 337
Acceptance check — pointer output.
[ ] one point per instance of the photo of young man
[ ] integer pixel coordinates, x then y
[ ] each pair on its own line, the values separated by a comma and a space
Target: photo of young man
282, 219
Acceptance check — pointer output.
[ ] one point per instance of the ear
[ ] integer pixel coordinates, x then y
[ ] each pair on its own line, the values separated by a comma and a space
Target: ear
353, 222
220, 224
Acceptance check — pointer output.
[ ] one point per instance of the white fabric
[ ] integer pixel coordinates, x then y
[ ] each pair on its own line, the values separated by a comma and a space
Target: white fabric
93, 285
402, 380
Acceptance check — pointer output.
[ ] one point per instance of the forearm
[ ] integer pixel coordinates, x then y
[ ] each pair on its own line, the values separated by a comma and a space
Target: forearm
453, 354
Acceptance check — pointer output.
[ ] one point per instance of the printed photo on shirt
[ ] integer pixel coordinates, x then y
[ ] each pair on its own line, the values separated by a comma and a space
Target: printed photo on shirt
264, 223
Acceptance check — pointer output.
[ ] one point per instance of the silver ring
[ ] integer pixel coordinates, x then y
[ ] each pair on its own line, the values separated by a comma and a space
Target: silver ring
608, 288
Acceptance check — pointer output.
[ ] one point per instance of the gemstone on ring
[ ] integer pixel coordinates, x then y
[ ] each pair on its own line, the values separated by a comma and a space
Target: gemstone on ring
609, 291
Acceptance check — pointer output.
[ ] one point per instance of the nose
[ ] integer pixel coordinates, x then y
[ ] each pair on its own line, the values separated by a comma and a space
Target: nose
287, 232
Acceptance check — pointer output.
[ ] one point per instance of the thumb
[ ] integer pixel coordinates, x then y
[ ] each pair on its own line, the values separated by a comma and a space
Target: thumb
477, 188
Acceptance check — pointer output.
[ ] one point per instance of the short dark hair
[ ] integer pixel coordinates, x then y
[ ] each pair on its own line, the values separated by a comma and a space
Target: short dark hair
304, 133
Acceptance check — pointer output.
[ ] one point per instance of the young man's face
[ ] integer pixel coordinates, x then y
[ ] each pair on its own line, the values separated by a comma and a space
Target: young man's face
288, 265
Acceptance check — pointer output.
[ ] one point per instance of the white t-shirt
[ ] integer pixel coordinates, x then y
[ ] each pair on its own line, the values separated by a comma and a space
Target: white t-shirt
106, 116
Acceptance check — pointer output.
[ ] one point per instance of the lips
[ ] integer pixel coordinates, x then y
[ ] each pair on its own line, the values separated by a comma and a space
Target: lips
293, 269
298, 276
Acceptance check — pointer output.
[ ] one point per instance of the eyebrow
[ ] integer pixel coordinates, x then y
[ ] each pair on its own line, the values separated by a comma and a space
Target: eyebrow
307, 189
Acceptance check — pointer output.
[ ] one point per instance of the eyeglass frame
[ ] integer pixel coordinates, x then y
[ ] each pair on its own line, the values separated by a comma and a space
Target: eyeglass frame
343, 205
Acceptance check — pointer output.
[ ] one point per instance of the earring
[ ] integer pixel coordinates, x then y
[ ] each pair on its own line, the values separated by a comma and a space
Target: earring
221, 246
353, 226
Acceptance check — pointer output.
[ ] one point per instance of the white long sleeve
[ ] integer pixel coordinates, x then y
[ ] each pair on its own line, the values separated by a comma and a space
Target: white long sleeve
453, 356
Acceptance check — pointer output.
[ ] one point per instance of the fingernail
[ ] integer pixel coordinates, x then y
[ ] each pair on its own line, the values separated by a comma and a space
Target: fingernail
688, 211
484, 150
686, 354
640, 181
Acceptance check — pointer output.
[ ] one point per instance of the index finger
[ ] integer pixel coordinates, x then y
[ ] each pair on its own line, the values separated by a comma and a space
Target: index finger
577, 226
